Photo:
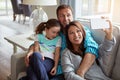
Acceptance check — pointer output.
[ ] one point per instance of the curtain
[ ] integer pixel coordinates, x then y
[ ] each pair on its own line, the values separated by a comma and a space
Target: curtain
68, 2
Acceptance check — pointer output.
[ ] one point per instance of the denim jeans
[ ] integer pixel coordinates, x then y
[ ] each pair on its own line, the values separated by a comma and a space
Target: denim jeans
39, 69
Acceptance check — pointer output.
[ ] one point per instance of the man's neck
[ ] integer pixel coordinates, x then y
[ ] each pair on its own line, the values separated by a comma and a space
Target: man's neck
63, 30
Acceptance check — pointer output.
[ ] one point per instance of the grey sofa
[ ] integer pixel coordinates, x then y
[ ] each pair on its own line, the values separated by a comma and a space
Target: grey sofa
111, 67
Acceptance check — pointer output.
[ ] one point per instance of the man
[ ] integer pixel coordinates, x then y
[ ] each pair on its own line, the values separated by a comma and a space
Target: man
65, 16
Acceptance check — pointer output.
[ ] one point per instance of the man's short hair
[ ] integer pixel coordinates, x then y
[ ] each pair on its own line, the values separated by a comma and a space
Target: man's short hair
63, 6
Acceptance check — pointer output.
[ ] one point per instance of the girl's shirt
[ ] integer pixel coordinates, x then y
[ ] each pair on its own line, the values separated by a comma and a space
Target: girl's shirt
47, 47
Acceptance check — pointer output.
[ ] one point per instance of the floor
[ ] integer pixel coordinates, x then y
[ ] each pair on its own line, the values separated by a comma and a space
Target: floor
8, 28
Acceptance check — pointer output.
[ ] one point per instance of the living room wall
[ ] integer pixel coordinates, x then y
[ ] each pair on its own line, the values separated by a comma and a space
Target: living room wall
116, 12
51, 10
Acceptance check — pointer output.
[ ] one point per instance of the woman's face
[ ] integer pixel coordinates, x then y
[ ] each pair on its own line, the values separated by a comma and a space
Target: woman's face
75, 35
52, 32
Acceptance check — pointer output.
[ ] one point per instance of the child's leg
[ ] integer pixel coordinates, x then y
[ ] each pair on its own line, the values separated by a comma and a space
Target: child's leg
41, 67
30, 74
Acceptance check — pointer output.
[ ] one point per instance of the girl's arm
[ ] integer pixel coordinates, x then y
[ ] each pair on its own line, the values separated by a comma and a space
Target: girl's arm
30, 52
56, 59
36, 46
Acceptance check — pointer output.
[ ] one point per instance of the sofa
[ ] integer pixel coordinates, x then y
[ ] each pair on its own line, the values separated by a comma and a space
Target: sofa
111, 65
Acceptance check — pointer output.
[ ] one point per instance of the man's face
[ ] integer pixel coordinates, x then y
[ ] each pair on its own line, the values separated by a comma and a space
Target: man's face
65, 16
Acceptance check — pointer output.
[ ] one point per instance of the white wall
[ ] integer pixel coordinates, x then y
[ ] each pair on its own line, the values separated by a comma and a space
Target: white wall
51, 10
116, 11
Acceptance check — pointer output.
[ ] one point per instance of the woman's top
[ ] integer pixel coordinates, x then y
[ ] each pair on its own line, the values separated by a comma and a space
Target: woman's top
47, 46
71, 62
90, 45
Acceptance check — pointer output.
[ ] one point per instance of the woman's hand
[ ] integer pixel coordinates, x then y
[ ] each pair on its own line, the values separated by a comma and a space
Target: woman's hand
108, 31
53, 71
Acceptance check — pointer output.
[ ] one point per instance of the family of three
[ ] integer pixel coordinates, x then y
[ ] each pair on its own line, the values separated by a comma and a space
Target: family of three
65, 50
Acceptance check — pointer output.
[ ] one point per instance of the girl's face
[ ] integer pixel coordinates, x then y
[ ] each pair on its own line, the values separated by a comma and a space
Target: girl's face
75, 35
52, 32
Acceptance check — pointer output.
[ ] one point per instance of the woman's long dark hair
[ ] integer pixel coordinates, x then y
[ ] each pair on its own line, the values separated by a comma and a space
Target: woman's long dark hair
49, 24
69, 44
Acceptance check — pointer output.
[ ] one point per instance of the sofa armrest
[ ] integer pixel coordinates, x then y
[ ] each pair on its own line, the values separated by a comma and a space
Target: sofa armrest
17, 65
116, 70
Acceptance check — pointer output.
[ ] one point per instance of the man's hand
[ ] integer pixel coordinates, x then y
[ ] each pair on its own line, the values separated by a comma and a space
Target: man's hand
86, 63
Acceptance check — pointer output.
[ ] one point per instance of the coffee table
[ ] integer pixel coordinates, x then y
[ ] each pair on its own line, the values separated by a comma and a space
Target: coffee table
22, 41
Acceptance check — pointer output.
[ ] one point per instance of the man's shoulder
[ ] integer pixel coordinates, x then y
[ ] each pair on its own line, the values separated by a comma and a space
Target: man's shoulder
87, 28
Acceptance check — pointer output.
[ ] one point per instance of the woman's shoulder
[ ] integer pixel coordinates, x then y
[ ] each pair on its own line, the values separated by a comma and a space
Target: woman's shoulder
66, 51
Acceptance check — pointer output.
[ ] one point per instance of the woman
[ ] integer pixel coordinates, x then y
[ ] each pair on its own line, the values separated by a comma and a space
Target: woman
74, 54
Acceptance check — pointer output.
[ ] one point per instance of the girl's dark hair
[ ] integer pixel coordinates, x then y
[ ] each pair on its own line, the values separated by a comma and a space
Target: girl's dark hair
49, 24
69, 44
63, 6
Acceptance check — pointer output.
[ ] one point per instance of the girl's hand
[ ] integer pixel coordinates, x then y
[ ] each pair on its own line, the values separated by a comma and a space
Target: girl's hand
109, 31
43, 58
53, 71
27, 59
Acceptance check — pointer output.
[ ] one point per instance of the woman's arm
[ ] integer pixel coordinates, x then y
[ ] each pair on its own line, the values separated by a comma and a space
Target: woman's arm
108, 42
91, 53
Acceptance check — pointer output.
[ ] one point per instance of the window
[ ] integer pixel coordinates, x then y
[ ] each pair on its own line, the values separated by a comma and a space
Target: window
5, 7
85, 8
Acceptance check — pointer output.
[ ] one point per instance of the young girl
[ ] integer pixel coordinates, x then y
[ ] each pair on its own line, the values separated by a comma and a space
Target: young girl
42, 60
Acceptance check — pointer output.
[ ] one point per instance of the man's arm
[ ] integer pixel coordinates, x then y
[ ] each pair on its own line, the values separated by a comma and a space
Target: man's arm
91, 53
86, 63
